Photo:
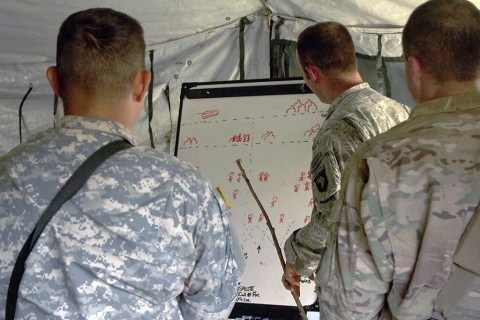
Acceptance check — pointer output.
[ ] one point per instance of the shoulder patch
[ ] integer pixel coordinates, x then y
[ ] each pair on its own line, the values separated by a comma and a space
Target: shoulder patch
321, 180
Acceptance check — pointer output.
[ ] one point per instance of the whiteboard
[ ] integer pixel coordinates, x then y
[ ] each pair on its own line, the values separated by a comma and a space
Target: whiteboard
270, 126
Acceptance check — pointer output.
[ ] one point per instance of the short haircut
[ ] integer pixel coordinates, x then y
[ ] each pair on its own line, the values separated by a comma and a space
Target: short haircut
99, 51
328, 46
445, 36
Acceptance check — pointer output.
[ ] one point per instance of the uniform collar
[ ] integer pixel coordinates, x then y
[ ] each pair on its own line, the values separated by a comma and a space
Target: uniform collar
464, 101
97, 124
346, 93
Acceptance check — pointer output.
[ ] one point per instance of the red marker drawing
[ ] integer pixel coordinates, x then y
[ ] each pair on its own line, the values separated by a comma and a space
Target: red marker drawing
268, 134
190, 140
310, 203
209, 113
274, 200
312, 130
311, 105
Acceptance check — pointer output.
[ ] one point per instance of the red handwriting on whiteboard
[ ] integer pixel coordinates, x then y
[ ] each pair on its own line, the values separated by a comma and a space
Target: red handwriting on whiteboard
208, 114
260, 217
306, 219
250, 217
296, 107
311, 106
240, 138
190, 140
307, 186
269, 135
299, 106
313, 130
282, 217
302, 176
310, 203
274, 200
235, 194
263, 176
231, 176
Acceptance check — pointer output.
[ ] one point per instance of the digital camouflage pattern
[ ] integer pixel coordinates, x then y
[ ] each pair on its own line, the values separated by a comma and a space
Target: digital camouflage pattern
407, 196
356, 115
145, 238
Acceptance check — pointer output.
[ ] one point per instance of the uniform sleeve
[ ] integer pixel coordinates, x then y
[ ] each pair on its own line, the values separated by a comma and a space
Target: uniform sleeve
210, 290
304, 248
357, 268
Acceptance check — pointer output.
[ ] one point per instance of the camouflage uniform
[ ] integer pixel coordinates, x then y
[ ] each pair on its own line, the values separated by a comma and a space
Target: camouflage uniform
356, 115
407, 197
146, 237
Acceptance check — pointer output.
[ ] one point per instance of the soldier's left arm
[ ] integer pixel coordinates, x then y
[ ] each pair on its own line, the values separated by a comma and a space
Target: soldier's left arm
357, 268
210, 291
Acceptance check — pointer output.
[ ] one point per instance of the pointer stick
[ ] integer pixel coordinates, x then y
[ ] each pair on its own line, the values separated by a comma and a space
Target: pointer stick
274, 237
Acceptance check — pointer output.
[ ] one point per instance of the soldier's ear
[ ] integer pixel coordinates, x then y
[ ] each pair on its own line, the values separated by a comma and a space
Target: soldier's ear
416, 68
140, 84
415, 74
52, 76
314, 73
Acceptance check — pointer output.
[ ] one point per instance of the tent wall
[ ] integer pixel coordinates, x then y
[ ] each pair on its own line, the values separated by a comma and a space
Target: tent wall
268, 42
214, 56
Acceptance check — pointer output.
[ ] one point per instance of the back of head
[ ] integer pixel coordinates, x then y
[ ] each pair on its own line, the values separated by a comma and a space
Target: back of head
99, 51
445, 36
328, 46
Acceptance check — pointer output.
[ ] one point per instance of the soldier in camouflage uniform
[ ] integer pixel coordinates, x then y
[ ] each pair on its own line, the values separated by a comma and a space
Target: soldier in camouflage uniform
408, 194
357, 113
147, 237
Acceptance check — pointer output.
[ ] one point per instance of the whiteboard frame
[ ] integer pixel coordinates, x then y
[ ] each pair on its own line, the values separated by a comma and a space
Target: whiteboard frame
246, 88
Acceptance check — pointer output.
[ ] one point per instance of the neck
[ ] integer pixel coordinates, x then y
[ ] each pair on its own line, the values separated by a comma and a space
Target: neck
454, 88
434, 90
340, 83
116, 111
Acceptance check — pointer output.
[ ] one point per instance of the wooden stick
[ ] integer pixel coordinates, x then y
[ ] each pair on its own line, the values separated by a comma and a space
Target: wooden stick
274, 237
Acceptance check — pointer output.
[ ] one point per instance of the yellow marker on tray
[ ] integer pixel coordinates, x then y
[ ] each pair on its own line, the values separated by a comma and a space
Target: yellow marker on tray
224, 198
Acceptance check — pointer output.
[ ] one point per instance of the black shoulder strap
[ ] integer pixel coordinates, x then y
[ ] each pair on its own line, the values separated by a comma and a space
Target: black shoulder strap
74, 183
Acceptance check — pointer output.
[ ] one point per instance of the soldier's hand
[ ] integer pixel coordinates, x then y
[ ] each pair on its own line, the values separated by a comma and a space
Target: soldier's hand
291, 279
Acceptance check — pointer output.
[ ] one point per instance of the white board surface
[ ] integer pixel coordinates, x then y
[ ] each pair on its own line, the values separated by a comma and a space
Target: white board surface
270, 126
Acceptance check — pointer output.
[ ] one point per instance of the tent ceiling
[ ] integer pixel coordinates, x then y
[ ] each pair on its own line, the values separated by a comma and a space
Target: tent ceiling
28, 28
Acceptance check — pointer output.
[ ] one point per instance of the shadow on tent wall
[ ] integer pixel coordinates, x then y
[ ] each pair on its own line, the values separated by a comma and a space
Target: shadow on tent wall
271, 312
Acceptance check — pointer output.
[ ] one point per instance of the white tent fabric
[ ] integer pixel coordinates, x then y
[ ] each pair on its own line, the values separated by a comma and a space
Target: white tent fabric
192, 41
